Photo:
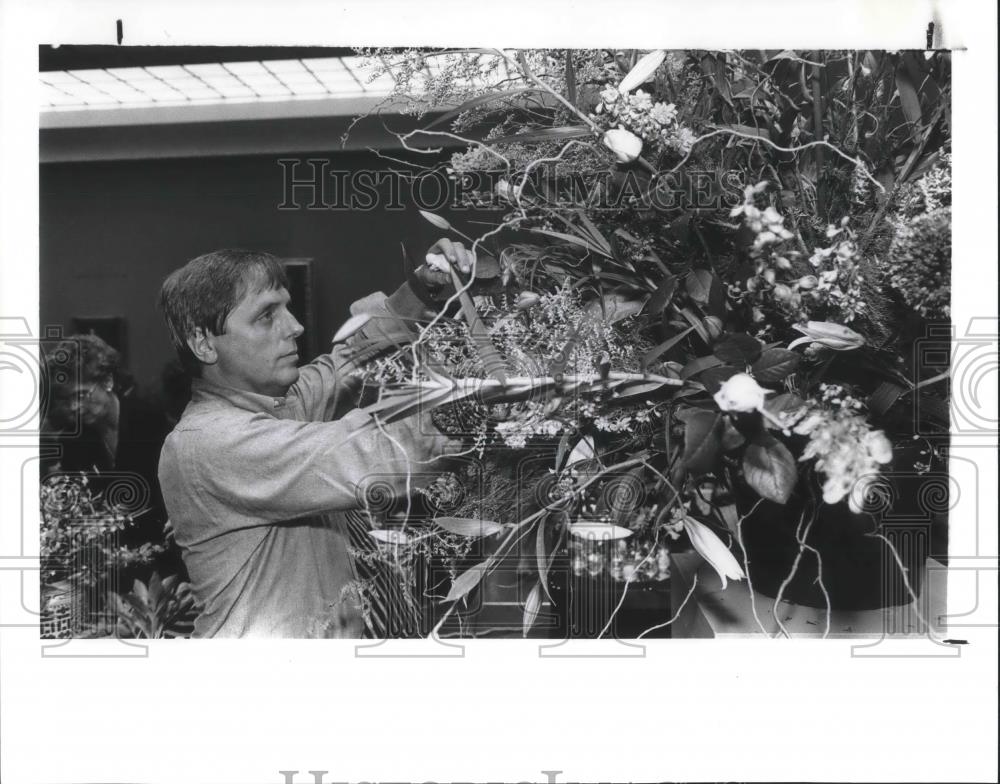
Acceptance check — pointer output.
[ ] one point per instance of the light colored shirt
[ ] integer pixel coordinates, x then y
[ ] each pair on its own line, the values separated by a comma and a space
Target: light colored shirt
256, 489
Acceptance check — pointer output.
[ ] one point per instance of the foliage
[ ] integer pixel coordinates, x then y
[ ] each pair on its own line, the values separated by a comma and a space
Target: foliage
80, 529
163, 608
709, 268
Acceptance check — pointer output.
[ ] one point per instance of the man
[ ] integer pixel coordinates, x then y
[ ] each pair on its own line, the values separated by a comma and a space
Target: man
257, 474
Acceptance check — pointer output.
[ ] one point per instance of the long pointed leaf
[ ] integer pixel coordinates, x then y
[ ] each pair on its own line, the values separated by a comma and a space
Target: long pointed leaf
488, 353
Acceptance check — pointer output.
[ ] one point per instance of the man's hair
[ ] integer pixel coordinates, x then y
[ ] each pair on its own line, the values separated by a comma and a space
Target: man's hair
203, 293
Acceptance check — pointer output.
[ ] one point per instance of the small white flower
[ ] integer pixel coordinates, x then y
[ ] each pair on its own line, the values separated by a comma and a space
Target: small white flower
609, 95
508, 192
879, 446
740, 393
641, 100
663, 113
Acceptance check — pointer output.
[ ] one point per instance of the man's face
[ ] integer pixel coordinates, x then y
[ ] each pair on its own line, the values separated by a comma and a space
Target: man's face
257, 352
92, 402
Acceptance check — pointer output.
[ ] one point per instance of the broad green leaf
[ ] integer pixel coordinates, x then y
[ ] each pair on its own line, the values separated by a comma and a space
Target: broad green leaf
665, 346
775, 364
699, 365
662, 296
769, 469
737, 348
466, 581
703, 441
698, 284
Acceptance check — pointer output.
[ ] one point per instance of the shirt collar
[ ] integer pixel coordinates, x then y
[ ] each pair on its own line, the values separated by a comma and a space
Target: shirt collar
202, 390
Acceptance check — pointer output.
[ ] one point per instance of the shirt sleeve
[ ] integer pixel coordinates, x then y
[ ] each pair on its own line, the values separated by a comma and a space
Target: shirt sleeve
326, 382
278, 469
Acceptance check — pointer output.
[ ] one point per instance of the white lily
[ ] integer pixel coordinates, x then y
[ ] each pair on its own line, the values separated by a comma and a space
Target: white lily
624, 144
828, 334
710, 547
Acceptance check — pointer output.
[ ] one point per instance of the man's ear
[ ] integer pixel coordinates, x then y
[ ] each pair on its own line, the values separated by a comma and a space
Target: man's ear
202, 345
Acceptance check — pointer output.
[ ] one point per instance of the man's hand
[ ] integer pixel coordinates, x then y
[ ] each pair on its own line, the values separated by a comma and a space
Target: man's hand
434, 274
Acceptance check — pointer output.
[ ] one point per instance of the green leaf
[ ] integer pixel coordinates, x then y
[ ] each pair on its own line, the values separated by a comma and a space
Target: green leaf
479, 100
775, 364
665, 346
545, 135
787, 402
488, 353
699, 365
908, 100
769, 469
698, 285
467, 526
884, 397
662, 296
737, 348
731, 437
702, 441
466, 581
582, 242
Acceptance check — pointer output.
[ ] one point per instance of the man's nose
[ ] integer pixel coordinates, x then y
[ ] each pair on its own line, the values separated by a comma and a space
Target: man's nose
296, 328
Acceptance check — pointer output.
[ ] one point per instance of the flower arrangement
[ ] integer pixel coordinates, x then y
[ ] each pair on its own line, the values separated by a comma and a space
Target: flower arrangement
680, 361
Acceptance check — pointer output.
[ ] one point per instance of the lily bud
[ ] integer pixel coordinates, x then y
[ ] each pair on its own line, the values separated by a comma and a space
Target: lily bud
526, 300
713, 326
740, 393
769, 275
782, 263
828, 335
625, 145
711, 548
807, 282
